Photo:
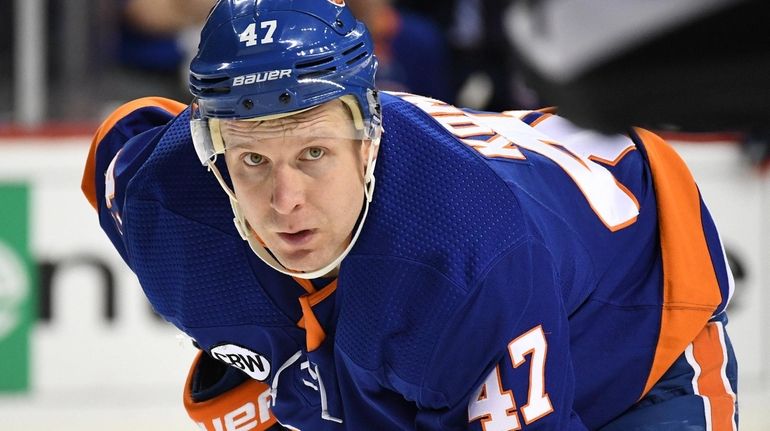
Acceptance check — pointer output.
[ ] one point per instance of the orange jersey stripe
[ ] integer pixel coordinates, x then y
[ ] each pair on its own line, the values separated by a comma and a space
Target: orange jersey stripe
548, 110
690, 288
88, 184
318, 297
306, 284
314, 332
709, 353
541, 118
612, 162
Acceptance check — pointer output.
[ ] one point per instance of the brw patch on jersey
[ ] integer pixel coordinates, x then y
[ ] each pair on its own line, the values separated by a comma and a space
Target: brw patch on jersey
248, 361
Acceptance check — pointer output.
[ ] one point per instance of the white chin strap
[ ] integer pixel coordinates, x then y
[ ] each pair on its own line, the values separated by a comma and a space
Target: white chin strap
260, 250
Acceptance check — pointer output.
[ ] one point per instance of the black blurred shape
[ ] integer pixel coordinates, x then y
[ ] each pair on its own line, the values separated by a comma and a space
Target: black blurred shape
709, 75
47, 270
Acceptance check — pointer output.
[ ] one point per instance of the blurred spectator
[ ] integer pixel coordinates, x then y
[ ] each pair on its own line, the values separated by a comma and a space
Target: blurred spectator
482, 73
151, 28
411, 49
151, 50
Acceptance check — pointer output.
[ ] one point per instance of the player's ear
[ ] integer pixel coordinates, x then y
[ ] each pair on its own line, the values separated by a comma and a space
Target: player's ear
366, 145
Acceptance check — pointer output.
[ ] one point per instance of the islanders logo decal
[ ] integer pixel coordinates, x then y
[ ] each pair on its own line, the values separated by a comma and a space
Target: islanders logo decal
340, 3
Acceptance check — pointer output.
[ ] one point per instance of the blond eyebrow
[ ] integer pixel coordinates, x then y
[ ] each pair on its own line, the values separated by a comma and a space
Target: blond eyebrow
236, 146
249, 145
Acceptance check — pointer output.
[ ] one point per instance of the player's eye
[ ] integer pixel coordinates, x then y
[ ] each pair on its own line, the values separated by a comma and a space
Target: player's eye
254, 159
313, 153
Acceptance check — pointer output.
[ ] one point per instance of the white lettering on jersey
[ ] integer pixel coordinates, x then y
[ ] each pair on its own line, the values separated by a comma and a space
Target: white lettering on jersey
615, 206
496, 407
252, 363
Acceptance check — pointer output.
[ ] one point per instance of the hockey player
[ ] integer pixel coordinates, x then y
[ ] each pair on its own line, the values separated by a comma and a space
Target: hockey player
504, 271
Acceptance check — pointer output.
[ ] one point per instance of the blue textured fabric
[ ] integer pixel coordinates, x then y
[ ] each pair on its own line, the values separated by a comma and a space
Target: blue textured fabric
437, 202
383, 314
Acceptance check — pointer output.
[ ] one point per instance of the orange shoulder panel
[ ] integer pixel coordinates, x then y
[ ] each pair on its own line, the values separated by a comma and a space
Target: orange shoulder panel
690, 288
88, 184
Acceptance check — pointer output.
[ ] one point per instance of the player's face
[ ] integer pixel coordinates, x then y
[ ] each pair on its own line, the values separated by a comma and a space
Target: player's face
299, 181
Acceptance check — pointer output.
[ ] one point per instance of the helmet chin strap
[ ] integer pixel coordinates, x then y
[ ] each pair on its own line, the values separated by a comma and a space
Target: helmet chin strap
242, 225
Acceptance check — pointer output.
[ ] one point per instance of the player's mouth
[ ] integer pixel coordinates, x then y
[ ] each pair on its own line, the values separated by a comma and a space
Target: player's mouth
298, 238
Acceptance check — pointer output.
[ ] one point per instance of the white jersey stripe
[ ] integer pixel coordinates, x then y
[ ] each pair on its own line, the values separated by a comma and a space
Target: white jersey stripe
696, 374
723, 371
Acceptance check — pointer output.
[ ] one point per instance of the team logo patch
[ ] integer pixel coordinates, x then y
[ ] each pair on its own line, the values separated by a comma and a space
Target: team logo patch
250, 362
340, 3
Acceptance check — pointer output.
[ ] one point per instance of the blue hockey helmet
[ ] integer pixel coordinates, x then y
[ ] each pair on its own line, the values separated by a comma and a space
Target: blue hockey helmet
264, 59
259, 58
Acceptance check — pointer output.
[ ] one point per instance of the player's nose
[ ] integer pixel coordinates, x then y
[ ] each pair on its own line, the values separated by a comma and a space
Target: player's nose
288, 191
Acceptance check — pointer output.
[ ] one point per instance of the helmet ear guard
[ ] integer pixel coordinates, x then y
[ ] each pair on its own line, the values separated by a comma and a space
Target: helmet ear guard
206, 135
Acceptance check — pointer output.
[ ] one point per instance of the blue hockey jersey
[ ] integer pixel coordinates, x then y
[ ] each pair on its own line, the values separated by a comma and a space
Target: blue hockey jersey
515, 272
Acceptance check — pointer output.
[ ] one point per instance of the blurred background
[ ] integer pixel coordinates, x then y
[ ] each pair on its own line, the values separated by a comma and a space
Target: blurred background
80, 348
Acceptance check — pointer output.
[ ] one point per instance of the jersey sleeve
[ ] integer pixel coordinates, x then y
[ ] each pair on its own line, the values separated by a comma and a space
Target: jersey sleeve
504, 363
697, 282
119, 148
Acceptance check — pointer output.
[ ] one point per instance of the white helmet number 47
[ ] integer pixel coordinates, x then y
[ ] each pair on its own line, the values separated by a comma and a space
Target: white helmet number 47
250, 36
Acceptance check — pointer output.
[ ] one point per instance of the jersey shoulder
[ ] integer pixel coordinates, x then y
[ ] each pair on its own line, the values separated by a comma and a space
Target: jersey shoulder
123, 125
436, 201
171, 222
